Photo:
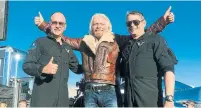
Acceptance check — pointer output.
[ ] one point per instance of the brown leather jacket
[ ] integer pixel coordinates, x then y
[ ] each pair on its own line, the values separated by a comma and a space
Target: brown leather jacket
99, 62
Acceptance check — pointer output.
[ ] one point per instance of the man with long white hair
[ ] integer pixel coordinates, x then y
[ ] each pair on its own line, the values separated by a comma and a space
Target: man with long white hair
100, 49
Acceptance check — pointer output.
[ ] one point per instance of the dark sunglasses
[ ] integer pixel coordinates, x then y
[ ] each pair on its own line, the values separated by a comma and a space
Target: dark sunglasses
56, 22
135, 22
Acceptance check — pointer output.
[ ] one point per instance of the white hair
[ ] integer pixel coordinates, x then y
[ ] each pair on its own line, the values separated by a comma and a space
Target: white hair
102, 15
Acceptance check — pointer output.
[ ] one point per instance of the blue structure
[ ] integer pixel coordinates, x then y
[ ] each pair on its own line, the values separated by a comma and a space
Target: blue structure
185, 92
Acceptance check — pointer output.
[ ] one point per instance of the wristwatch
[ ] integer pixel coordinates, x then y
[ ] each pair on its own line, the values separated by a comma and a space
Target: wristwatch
169, 98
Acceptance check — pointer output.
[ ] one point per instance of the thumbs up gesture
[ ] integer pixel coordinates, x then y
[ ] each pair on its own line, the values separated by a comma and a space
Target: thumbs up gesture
169, 16
38, 19
50, 68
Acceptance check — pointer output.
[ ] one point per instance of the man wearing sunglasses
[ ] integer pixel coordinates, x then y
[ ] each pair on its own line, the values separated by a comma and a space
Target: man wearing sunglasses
145, 60
100, 49
49, 60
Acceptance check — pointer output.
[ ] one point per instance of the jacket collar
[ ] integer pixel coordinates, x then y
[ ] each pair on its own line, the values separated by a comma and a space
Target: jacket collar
147, 33
51, 36
93, 43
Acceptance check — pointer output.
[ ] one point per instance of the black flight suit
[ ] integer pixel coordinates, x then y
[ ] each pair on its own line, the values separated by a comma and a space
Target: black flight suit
50, 90
145, 60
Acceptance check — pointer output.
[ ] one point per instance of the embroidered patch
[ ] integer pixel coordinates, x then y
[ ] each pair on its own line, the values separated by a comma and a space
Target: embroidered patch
33, 46
67, 50
140, 43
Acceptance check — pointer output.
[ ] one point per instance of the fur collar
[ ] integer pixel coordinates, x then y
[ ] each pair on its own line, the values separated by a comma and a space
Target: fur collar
93, 43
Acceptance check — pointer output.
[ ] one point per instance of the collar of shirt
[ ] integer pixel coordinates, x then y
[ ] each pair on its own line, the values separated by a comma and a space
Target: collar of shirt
50, 36
141, 37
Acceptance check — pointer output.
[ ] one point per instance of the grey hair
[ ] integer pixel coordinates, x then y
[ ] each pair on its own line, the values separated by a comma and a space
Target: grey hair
102, 15
134, 13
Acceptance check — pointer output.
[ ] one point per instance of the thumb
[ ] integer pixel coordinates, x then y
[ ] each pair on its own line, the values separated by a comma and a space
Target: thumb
40, 15
168, 10
51, 60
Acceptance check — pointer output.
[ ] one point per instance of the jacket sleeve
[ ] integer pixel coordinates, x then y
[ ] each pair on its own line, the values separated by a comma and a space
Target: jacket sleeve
44, 27
162, 56
158, 26
121, 39
31, 65
74, 64
73, 42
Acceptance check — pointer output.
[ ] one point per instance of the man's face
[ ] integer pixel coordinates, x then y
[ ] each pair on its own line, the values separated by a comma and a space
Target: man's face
190, 105
22, 105
100, 25
3, 105
135, 24
58, 24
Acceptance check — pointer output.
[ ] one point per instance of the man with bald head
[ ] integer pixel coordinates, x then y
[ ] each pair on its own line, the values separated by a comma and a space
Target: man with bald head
99, 53
49, 60
100, 49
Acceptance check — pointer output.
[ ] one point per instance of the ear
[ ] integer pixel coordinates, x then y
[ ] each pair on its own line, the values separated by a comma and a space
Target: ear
108, 29
144, 23
65, 26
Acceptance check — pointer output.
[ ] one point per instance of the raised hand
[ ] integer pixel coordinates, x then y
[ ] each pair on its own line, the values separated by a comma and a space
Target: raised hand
50, 68
38, 19
169, 16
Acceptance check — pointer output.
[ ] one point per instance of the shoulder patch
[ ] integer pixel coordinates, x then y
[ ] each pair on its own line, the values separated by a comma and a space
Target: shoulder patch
33, 46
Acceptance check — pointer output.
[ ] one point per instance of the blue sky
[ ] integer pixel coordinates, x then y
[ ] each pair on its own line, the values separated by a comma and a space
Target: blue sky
183, 36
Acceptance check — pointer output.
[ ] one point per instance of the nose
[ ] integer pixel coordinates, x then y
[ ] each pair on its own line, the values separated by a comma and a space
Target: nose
57, 25
132, 24
98, 25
